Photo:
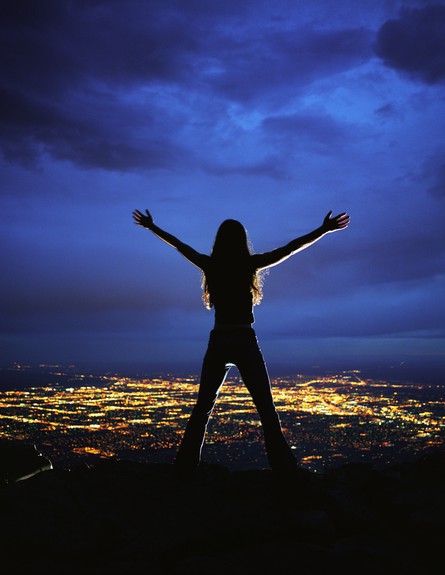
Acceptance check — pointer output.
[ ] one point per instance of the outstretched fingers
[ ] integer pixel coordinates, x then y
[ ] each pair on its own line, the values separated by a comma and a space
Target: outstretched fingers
143, 220
342, 220
137, 216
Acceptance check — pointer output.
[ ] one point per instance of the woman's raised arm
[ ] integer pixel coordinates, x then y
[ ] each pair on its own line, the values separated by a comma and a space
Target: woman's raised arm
146, 221
278, 255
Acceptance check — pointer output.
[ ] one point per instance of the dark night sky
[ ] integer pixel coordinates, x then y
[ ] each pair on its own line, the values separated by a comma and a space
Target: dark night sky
272, 113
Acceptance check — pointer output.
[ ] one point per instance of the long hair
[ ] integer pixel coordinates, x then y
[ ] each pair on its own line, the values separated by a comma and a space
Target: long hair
231, 250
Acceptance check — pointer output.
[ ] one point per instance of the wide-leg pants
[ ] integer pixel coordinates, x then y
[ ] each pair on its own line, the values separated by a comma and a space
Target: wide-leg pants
239, 347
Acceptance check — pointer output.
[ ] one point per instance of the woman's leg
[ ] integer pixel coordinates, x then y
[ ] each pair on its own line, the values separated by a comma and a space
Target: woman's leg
213, 374
254, 374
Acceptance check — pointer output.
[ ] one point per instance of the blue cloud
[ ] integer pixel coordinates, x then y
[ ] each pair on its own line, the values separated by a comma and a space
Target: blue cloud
414, 43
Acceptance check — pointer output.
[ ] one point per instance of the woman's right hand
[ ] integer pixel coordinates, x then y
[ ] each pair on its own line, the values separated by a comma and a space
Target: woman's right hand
142, 220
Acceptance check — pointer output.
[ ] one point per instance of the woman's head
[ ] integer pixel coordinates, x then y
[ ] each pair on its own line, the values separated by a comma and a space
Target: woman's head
231, 241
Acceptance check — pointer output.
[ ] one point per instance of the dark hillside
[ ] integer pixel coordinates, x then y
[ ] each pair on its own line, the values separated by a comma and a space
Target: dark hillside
141, 518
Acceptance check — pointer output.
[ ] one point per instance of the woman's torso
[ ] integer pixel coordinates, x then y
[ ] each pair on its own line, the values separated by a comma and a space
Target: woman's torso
229, 286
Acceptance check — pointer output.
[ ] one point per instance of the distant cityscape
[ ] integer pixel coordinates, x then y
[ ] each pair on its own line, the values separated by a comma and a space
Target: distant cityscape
328, 419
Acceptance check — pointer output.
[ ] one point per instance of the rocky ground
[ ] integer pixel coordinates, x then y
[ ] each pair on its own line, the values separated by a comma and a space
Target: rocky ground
128, 517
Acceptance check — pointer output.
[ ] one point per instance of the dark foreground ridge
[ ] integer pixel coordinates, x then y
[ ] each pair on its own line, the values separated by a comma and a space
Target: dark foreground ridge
141, 518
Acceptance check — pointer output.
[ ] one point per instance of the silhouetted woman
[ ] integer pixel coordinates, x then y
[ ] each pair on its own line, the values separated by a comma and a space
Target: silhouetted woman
232, 286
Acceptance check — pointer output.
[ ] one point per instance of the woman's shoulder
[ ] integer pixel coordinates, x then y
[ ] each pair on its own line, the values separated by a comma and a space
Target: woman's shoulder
205, 262
256, 261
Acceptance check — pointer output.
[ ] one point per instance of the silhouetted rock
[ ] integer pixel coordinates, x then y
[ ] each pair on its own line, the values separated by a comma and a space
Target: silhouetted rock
134, 517
19, 460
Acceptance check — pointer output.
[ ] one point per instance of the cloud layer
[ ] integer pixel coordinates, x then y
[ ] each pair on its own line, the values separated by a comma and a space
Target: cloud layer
271, 113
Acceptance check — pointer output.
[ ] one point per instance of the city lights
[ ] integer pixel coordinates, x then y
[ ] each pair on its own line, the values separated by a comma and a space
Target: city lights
327, 420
